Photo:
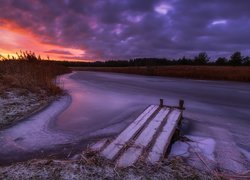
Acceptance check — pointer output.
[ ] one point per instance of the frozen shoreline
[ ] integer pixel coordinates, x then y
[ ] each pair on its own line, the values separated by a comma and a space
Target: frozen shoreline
109, 94
204, 153
18, 104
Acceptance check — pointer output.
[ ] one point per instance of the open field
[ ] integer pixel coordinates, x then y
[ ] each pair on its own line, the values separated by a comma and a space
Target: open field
228, 73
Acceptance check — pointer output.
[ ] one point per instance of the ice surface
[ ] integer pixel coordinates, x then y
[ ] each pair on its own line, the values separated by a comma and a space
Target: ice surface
203, 145
216, 116
34, 133
180, 149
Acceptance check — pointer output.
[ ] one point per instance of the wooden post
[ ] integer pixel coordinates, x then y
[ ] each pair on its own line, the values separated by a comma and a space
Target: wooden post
181, 104
161, 102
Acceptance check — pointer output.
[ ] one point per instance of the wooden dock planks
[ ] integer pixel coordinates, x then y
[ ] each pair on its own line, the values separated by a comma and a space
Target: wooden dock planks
112, 150
163, 140
148, 137
99, 145
131, 155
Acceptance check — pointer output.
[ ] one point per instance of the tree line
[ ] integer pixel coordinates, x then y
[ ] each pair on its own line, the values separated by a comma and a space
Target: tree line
236, 59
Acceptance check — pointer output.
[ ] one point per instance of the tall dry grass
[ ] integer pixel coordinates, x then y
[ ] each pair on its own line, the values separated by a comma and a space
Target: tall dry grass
28, 71
230, 73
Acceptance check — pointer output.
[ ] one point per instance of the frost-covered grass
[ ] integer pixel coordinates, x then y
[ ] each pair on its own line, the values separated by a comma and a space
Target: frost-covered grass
89, 165
16, 104
27, 83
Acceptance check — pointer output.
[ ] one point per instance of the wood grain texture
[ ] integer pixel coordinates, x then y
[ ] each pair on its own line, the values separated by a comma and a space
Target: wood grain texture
98, 145
132, 154
114, 147
163, 140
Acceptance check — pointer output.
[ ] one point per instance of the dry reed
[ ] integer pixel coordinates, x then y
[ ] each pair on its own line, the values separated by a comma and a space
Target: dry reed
29, 72
230, 73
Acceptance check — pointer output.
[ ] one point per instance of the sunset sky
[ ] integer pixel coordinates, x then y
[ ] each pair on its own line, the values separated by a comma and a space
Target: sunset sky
122, 29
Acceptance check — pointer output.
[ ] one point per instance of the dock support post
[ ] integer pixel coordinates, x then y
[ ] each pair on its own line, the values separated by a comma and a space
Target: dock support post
181, 107
181, 104
161, 102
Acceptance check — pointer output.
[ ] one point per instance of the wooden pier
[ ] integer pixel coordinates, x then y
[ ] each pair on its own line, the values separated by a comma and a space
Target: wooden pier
147, 138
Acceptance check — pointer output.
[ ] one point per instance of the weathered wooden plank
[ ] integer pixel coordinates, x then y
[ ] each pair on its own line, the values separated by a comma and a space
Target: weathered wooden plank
163, 140
114, 147
98, 145
132, 154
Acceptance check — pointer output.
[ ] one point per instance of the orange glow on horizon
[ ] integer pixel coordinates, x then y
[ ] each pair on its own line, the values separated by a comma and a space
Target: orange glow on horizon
14, 38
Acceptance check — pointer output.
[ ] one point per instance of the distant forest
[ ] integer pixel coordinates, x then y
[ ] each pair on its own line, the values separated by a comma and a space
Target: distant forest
202, 58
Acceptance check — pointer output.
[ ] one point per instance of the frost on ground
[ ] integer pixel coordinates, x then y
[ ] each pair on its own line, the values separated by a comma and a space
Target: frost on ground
16, 104
89, 165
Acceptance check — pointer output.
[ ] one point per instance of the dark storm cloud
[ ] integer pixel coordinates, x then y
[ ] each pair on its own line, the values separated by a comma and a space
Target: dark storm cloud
128, 28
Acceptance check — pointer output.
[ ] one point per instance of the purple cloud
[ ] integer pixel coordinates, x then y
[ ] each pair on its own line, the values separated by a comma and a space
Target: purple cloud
54, 51
128, 28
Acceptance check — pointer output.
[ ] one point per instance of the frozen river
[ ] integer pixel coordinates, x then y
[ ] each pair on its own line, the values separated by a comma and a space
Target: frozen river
102, 104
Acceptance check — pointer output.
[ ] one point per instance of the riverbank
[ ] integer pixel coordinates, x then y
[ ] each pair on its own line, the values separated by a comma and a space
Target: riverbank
227, 73
88, 165
32, 133
18, 104
27, 85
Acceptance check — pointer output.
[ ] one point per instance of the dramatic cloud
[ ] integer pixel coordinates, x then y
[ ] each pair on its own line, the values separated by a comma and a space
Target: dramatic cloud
54, 51
121, 29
